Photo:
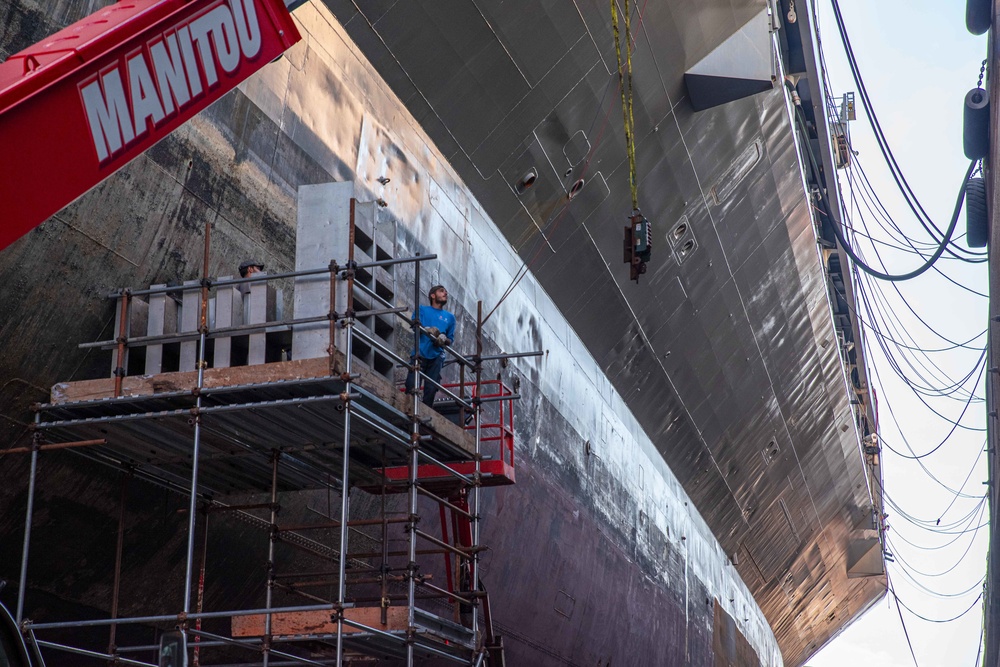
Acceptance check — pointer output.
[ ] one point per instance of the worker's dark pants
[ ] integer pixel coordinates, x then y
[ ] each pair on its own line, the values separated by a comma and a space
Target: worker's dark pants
432, 369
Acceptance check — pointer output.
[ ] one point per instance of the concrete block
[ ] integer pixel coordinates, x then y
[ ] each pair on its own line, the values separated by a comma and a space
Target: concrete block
322, 235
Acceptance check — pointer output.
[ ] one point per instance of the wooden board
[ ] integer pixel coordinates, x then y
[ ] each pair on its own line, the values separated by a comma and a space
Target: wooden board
300, 369
320, 622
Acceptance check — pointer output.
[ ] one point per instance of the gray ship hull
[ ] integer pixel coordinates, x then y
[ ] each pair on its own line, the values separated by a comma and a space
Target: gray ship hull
689, 477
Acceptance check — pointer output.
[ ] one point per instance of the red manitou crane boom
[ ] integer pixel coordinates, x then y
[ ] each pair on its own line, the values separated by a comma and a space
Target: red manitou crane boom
82, 103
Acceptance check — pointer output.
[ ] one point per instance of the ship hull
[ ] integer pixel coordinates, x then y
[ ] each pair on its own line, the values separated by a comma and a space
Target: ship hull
651, 522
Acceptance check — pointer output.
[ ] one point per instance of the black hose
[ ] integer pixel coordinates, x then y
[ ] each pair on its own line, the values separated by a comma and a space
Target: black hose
836, 226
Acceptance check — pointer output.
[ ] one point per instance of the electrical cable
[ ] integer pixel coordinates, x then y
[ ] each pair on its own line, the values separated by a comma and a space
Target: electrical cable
926, 389
868, 190
937, 620
909, 360
863, 191
925, 548
930, 328
929, 525
954, 425
934, 386
945, 388
927, 590
924, 392
975, 464
884, 336
896, 287
950, 569
906, 633
835, 225
895, 170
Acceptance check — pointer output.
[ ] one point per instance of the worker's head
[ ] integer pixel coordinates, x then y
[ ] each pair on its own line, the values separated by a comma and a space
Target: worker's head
247, 269
438, 296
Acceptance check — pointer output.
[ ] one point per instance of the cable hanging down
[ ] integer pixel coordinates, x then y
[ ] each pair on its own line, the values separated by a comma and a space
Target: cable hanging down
897, 174
838, 232
866, 231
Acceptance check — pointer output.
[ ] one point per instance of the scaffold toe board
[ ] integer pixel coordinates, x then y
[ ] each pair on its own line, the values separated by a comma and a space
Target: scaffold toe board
364, 630
437, 479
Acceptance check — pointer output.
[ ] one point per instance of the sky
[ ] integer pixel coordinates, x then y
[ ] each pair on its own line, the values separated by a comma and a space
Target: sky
918, 61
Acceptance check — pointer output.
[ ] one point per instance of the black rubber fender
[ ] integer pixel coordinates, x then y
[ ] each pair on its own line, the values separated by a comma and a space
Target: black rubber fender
978, 14
977, 222
976, 124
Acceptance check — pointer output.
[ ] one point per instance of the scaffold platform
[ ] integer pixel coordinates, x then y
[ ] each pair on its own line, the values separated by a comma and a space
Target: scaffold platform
249, 411
333, 421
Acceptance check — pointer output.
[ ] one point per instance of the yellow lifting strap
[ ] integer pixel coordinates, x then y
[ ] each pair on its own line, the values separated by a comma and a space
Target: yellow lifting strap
625, 85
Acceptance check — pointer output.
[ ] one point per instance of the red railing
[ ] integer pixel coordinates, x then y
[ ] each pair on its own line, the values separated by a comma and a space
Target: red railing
497, 415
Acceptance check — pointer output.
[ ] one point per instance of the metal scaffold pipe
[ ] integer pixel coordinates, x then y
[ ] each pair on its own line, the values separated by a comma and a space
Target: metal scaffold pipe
175, 618
115, 659
344, 507
193, 496
445, 467
345, 495
119, 545
271, 276
331, 349
512, 355
384, 564
295, 659
54, 445
199, 605
451, 394
120, 359
474, 583
27, 525
272, 538
411, 567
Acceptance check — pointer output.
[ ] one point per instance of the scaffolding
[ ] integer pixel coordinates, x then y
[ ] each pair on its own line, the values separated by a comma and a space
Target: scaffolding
321, 423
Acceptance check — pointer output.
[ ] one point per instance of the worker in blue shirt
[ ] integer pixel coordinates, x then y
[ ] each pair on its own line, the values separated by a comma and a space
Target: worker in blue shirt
438, 331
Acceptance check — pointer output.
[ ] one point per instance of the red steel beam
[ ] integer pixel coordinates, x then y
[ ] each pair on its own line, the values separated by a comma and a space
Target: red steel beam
81, 104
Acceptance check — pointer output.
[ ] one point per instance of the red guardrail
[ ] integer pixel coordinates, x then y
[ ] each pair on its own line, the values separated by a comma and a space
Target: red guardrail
497, 416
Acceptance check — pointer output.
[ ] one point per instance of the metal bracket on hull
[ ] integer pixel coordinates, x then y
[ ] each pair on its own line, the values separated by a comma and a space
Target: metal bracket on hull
741, 66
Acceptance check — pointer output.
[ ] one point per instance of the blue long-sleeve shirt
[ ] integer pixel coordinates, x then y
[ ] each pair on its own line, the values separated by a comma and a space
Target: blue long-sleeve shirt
435, 317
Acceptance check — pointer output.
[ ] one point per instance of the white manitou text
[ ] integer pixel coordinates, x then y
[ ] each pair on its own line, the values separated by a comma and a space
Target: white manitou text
167, 74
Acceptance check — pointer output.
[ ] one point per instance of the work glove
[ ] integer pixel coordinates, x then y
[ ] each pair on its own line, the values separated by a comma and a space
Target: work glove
441, 340
433, 332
